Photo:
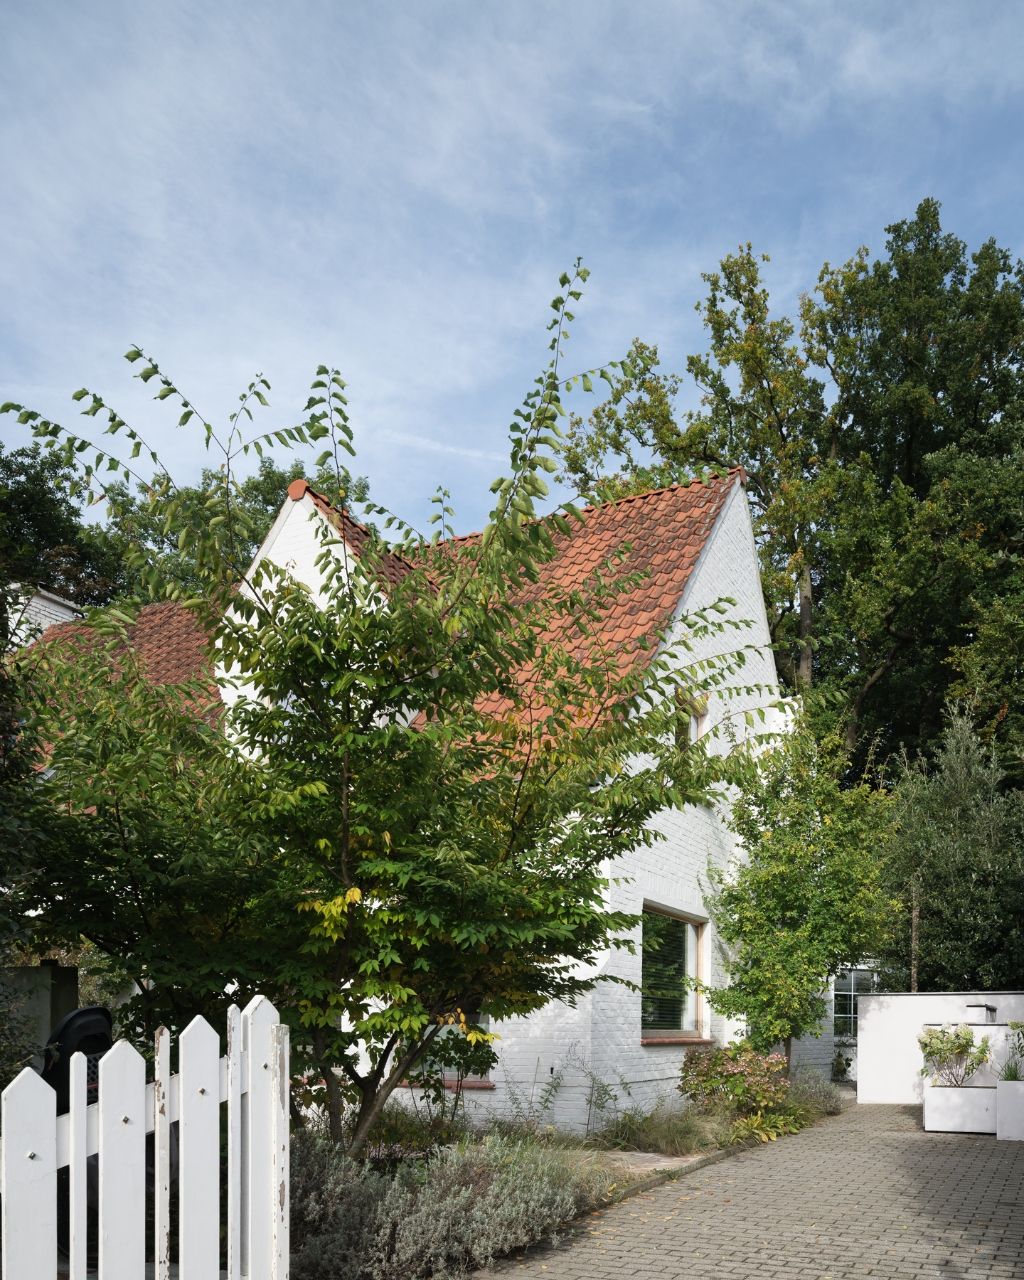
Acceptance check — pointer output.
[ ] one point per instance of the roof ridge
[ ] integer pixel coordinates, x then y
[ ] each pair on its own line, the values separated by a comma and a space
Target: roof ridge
638, 497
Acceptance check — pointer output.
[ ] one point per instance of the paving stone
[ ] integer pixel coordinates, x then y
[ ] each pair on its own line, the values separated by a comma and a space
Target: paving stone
865, 1194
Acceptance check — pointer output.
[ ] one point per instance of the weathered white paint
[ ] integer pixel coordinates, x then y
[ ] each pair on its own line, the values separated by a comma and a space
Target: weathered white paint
233, 1098
122, 1135
162, 1154
36, 1143
279, 1206
28, 1179
199, 1151
259, 1017
888, 1055
77, 1185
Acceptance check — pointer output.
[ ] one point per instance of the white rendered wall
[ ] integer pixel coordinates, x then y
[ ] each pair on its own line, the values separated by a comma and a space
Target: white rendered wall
888, 1056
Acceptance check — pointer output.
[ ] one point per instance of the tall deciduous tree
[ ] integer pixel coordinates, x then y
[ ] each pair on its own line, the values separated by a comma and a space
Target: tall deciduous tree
883, 440
807, 899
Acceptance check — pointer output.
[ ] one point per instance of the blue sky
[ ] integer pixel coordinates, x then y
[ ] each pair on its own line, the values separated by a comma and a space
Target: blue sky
395, 189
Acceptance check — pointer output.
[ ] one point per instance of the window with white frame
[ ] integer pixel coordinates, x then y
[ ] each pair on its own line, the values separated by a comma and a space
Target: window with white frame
691, 718
848, 986
670, 947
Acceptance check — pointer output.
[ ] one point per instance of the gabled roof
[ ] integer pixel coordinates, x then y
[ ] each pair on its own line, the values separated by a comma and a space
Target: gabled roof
664, 530
661, 534
393, 567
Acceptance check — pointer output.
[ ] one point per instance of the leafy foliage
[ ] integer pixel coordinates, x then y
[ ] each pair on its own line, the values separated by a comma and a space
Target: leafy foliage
807, 901
951, 1055
735, 1075
814, 1090
956, 866
158, 561
667, 1130
161, 870
465, 1207
881, 434
44, 541
424, 769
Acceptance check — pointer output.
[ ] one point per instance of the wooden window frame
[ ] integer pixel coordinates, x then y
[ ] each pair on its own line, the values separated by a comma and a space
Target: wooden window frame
677, 1036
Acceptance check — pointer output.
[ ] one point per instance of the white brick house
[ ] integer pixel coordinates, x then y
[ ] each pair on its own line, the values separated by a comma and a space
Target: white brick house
697, 547
698, 543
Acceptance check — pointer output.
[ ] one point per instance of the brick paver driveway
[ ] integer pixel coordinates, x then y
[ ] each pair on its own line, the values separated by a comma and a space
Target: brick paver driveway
867, 1193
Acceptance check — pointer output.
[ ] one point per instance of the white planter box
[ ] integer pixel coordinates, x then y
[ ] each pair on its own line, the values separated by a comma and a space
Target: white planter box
966, 1110
1010, 1110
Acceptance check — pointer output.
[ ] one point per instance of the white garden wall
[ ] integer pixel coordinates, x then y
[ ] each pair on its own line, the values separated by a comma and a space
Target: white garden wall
888, 1056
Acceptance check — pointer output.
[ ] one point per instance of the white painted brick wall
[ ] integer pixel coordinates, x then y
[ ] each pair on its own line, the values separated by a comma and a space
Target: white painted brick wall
600, 1037
605, 1029
42, 610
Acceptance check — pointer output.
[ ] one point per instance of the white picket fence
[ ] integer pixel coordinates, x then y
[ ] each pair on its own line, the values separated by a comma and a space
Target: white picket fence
251, 1080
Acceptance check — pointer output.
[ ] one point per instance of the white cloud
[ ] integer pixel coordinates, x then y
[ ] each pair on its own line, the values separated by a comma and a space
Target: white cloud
394, 189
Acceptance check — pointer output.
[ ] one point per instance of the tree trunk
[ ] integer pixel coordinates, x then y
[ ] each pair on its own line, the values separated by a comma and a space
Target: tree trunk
853, 722
334, 1106
787, 1047
376, 1092
805, 672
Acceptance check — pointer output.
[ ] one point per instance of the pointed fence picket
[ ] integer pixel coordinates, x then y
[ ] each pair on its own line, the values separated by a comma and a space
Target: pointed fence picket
251, 1080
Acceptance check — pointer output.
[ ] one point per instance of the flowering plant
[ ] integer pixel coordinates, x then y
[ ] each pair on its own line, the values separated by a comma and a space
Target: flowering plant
950, 1055
735, 1074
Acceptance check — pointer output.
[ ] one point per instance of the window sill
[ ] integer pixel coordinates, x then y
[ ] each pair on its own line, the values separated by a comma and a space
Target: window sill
452, 1085
699, 1040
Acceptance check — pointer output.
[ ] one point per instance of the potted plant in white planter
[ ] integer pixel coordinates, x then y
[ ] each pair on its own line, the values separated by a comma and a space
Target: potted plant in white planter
951, 1057
1010, 1089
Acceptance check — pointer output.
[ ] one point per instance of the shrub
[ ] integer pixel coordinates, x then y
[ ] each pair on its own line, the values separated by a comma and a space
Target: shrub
735, 1075
438, 1218
811, 1089
950, 1055
667, 1131
766, 1126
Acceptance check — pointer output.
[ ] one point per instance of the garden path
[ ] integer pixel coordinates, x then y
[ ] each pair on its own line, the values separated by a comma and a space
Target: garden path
867, 1193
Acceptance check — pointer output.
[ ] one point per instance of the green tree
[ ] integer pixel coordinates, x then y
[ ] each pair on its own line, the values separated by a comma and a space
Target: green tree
956, 865
158, 562
882, 439
165, 875
442, 760
807, 900
44, 542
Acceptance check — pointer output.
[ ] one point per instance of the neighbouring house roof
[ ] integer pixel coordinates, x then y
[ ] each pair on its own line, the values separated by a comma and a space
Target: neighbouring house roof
168, 642
664, 532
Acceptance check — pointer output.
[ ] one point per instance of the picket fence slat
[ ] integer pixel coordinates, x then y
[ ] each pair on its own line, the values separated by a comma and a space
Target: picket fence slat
78, 1115
122, 1199
279, 1083
233, 1098
258, 1019
199, 1153
28, 1179
162, 1155
252, 1079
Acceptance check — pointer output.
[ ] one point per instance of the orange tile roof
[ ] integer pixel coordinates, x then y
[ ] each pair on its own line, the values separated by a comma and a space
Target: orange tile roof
665, 531
661, 534
170, 645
